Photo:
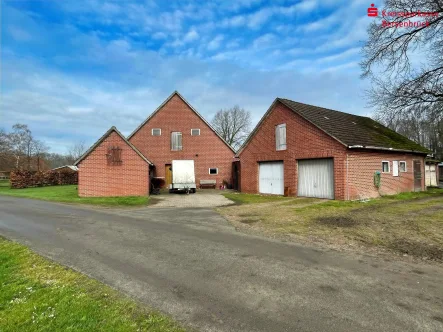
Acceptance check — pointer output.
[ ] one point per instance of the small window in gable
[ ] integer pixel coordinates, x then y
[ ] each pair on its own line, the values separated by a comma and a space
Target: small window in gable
176, 141
114, 155
213, 171
195, 132
280, 137
156, 132
402, 166
385, 166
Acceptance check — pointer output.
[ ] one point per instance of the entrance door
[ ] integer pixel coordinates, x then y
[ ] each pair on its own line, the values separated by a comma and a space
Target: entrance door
168, 175
271, 178
417, 175
316, 178
431, 175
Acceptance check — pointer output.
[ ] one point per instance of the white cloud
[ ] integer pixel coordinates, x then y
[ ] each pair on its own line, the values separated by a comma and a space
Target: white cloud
191, 35
19, 34
215, 43
263, 41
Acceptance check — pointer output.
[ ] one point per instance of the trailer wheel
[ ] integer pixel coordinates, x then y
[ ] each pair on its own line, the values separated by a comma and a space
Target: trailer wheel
193, 190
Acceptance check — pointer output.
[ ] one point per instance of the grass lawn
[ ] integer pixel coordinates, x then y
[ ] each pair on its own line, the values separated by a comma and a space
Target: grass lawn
38, 295
68, 194
407, 223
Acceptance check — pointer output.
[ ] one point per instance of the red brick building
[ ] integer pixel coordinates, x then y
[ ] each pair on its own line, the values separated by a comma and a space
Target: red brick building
176, 131
303, 150
113, 167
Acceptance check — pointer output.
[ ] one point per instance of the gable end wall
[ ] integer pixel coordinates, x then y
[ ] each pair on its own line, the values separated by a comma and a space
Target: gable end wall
97, 178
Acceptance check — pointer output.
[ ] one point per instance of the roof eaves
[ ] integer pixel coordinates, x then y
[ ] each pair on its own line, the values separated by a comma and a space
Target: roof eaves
368, 147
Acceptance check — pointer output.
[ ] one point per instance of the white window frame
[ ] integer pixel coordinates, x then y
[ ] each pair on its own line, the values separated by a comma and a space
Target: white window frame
152, 131
278, 145
216, 170
179, 148
389, 166
399, 166
195, 129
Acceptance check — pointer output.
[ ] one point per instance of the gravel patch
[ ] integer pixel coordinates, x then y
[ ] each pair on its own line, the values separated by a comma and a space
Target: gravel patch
197, 200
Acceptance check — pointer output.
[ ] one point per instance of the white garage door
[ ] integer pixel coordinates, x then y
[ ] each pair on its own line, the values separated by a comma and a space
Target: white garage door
271, 178
316, 178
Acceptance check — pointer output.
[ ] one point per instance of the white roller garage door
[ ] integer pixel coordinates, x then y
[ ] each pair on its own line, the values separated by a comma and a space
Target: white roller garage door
271, 178
316, 178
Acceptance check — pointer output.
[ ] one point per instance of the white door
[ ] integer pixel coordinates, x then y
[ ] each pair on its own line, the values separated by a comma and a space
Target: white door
431, 175
271, 178
316, 178
395, 168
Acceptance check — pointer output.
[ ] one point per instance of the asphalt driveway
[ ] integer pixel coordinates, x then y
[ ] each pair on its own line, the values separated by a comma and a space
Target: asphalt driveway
191, 264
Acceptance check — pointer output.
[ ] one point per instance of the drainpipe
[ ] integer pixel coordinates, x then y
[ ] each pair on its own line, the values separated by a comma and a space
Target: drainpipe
347, 176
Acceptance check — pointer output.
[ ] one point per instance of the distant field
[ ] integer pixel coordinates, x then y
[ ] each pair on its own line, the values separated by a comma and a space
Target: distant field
68, 194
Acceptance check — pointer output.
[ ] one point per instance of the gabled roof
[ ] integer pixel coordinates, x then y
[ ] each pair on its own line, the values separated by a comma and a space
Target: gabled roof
353, 131
101, 139
192, 108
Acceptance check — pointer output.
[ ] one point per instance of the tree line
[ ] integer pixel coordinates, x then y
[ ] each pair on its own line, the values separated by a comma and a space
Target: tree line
19, 149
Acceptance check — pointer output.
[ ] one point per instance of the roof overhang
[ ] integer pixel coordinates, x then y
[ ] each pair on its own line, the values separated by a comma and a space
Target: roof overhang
368, 147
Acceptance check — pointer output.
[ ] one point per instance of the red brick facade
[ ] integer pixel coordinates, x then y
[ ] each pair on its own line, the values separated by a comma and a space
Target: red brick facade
363, 164
98, 177
207, 150
353, 170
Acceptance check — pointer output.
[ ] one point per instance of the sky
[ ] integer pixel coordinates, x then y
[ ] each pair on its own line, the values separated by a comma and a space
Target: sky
72, 69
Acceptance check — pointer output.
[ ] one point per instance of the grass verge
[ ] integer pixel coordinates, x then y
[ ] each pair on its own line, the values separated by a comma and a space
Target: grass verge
408, 223
39, 295
68, 194
240, 198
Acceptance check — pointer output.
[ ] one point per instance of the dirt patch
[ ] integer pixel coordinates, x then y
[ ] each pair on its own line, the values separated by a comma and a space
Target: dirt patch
249, 221
419, 249
338, 221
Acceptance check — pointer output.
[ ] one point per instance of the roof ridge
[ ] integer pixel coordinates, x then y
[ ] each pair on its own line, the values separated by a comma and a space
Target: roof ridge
324, 108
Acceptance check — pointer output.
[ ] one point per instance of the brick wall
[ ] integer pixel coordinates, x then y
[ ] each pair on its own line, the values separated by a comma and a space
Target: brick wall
98, 178
363, 164
207, 150
304, 141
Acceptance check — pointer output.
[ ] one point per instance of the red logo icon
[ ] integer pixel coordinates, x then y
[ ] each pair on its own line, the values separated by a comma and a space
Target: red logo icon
372, 11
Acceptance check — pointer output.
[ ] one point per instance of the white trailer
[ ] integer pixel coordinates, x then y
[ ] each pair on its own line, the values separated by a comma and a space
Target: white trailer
183, 176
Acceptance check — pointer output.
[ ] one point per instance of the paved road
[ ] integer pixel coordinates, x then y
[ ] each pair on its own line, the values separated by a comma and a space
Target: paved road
191, 264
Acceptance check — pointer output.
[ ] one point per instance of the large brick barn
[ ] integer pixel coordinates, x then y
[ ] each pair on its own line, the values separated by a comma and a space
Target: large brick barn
116, 166
303, 150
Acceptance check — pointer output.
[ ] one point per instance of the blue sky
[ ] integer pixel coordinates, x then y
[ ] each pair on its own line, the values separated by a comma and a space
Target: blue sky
71, 69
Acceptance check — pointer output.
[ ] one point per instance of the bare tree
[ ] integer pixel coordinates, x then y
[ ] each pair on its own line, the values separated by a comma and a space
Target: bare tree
403, 58
20, 142
233, 124
39, 149
76, 151
398, 82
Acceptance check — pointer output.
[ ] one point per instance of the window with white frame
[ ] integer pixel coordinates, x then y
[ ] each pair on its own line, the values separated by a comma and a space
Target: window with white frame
176, 141
213, 171
385, 167
402, 166
195, 132
156, 132
280, 137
